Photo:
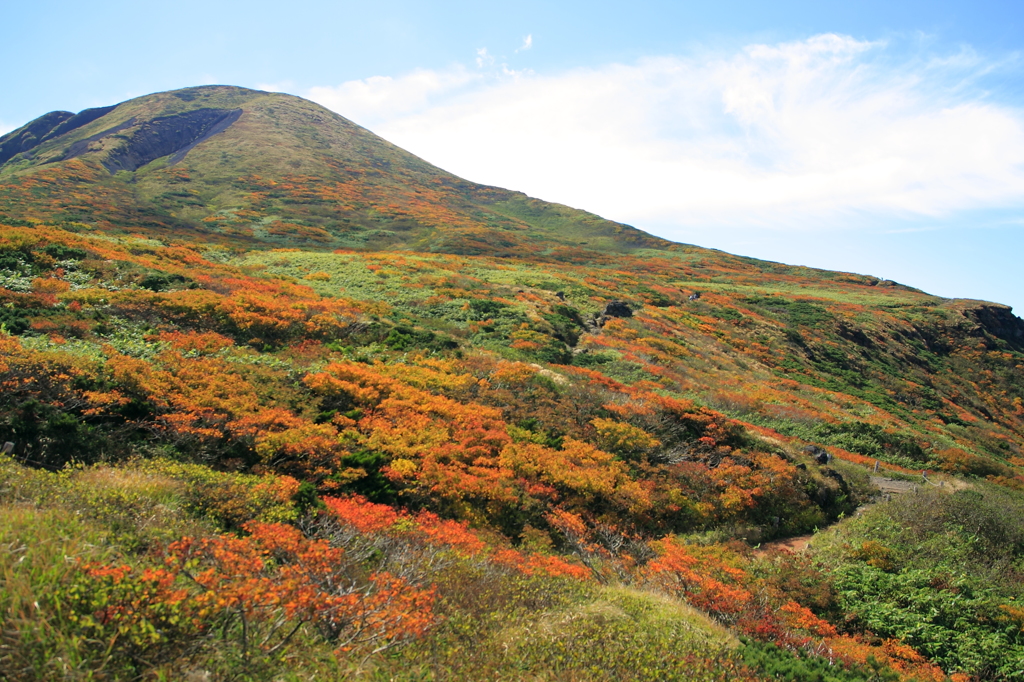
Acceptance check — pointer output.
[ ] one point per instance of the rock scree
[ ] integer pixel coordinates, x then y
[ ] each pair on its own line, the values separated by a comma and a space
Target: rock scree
175, 135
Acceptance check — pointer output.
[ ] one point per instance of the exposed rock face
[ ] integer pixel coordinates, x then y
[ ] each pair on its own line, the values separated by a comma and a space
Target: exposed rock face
80, 119
617, 309
999, 321
150, 140
175, 135
47, 126
31, 134
82, 146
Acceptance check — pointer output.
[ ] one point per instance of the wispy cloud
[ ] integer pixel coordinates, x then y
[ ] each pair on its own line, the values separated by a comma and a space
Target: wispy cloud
484, 58
805, 134
378, 100
527, 43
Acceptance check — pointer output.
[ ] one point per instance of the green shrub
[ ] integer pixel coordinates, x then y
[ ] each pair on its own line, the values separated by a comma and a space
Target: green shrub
230, 499
776, 663
938, 571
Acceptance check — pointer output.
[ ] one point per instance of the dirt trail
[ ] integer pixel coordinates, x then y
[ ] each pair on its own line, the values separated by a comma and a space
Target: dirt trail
792, 545
887, 486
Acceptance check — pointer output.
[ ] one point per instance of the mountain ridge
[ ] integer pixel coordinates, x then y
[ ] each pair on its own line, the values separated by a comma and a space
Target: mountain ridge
194, 115
373, 193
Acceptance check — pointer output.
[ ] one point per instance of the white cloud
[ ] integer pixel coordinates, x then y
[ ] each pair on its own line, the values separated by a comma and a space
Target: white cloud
6, 128
379, 99
527, 43
483, 58
805, 134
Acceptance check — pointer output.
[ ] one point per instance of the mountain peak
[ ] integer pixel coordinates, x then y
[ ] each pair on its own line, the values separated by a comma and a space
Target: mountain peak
249, 165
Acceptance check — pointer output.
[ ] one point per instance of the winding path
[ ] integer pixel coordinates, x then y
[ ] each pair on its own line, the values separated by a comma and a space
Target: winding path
799, 543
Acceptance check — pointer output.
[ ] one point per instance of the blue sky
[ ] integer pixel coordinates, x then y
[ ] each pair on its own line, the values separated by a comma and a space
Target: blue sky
876, 137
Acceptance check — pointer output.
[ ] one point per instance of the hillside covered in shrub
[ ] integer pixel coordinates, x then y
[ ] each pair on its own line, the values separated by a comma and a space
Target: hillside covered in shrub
284, 400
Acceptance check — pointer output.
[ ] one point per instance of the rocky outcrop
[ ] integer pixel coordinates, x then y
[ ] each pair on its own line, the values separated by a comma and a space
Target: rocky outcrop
998, 321
611, 309
84, 117
82, 146
29, 135
820, 455
170, 135
142, 143
46, 127
617, 309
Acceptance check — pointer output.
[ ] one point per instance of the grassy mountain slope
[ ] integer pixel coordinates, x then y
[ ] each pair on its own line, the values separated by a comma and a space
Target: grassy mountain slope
241, 309
272, 168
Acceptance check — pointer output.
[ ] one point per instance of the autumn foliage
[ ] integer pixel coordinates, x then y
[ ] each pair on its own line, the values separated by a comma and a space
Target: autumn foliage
359, 427
259, 590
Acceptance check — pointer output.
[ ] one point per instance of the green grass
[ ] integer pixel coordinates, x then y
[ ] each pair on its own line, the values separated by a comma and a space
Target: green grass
611, 633
883, 298
39, 549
